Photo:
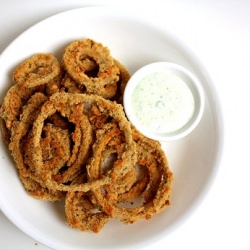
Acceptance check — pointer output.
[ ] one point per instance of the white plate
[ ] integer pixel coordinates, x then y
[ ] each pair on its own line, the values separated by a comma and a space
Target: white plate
194, 159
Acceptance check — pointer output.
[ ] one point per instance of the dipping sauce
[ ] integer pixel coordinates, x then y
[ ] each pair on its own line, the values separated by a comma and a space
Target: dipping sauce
163, 102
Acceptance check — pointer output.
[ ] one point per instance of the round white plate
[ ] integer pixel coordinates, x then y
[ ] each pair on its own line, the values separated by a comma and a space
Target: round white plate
194, 160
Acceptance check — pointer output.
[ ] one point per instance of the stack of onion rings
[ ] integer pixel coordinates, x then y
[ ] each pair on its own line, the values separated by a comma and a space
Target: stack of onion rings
65, 127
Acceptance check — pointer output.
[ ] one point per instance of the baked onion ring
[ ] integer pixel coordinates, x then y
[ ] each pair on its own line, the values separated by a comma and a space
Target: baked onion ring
76, 60
65, 103
39, 69
40, 73
157, 193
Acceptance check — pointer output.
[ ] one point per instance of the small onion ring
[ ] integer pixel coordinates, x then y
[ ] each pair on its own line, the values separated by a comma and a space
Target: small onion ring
74, 61
39, 69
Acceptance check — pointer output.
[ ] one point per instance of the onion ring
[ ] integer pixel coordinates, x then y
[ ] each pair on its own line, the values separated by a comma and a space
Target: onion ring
39, 69
157, 195
74, 61
40, 73
63, 103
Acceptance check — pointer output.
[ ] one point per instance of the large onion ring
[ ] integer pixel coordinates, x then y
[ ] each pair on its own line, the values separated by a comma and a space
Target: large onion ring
64, 103
156, 195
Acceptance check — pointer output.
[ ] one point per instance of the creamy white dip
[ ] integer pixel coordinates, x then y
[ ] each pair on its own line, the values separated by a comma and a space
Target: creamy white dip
163, 102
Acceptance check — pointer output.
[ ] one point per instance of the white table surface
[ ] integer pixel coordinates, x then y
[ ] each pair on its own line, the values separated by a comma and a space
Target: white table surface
218, 32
